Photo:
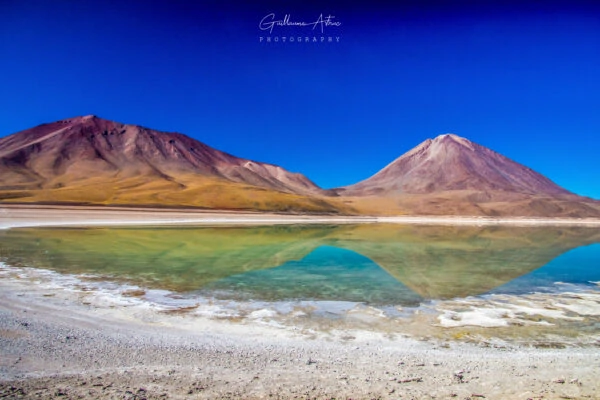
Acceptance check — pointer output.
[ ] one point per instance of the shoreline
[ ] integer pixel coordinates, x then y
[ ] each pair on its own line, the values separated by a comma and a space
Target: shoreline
537, 319
19, 216
57, 346
74, 340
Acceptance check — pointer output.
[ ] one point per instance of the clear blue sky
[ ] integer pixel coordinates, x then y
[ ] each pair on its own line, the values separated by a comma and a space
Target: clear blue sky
522, 78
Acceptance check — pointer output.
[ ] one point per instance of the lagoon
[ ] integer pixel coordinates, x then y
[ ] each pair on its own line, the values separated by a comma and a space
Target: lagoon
368, 276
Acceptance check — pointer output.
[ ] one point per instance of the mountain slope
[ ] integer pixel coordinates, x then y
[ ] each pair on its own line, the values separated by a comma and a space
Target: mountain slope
451, 175
91, 160
450, 162
66, 147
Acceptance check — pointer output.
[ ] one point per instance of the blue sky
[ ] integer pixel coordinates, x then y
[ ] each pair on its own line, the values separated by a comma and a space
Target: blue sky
519, 77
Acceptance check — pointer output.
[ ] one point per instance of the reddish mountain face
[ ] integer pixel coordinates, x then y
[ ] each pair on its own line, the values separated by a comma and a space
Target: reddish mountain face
453, 163
88, 160
83, 147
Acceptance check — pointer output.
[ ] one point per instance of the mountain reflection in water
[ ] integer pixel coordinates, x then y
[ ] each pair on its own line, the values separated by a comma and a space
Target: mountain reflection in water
372, 263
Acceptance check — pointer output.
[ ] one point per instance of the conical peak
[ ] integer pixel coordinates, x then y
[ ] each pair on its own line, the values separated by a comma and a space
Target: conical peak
452, 163
448, 138
81, 118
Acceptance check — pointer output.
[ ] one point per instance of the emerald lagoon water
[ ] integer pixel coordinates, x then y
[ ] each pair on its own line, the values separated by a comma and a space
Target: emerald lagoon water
279, 269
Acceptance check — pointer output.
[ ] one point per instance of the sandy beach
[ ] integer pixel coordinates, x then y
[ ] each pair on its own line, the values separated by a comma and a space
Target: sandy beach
14, 216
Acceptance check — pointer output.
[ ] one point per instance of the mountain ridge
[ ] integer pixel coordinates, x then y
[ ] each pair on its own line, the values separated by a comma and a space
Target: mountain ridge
192, 155
89, 160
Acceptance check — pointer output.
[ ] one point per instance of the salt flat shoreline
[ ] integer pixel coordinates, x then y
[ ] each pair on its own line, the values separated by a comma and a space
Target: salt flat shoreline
15, 216
57, 342
58, 347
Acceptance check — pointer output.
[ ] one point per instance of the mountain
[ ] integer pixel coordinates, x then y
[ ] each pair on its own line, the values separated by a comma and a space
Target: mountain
89, 160
450, 162
454, 176
92, 160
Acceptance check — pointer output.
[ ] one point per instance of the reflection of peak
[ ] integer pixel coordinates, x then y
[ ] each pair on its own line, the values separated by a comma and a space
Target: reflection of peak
433, 261
327, 274
448, 262
576, 266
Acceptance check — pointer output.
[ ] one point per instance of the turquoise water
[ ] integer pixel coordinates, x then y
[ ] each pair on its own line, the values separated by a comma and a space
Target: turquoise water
371, 264
327, 273
580, 266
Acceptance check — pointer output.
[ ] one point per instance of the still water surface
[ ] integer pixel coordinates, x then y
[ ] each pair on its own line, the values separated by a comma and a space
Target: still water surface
373, 265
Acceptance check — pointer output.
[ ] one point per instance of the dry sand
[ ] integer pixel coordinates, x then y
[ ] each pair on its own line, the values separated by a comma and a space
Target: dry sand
13, 216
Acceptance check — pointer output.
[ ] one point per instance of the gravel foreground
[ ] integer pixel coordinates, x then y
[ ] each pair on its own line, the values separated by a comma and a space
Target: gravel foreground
56, 347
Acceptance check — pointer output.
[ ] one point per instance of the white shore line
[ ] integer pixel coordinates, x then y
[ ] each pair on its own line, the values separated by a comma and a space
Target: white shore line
54, 216
55, 341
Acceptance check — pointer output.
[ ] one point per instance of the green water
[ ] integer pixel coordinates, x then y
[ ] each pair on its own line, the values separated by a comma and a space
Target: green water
371, 263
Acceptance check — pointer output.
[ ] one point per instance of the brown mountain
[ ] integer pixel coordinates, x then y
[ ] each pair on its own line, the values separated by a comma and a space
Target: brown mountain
92, 160
452, 175
450, 162
89, 160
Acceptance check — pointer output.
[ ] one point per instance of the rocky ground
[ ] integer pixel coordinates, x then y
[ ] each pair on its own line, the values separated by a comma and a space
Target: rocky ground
57, 348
